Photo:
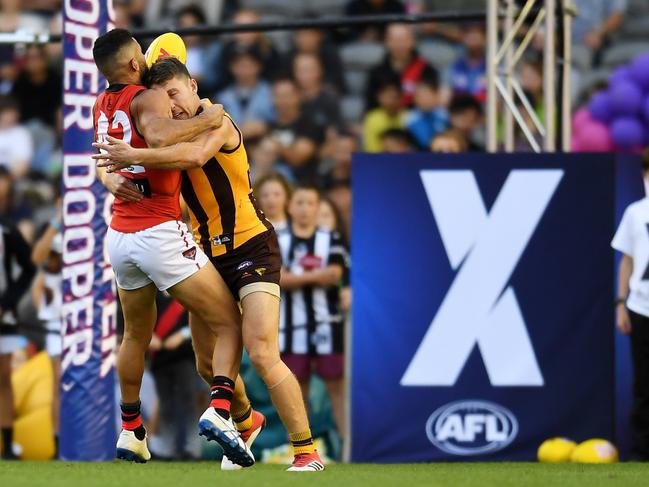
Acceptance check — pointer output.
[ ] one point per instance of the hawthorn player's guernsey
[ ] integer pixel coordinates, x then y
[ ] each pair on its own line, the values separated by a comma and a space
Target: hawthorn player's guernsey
222, 208
161, 188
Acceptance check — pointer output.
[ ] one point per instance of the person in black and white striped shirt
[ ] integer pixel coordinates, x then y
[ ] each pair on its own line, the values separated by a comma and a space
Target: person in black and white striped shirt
311, 320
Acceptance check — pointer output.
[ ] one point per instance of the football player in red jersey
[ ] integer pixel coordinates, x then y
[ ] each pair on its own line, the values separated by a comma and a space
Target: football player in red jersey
150, 247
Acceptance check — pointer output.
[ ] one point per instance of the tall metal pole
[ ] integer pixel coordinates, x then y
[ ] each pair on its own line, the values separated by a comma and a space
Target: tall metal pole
509, 74
492, 64
549, 76
568, 12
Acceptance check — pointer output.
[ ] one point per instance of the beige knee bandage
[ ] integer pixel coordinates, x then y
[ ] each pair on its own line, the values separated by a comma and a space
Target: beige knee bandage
277, 374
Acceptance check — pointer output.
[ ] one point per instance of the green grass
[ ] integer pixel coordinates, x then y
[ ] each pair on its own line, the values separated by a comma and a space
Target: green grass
207, 474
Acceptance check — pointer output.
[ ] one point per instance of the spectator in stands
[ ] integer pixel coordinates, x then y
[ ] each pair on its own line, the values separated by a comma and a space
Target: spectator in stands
318, 100
314, 41
273, 193
17, 270
531, 79
371, 7
248, 99
429, 117
312, 324
47, 293
263, 157
14, 17
38, 88
465, 114
337, 168
270, 57
16, 145
197, 52
388, 115
397, 141
329, 219
596, 21
296, 136
8, 69
467, 75
155, 10
449, 141
401, 60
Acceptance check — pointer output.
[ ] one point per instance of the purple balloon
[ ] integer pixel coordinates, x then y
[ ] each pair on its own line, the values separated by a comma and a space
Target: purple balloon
627, 132
594, 137
639, 70
600, 107
623, 73
625, 98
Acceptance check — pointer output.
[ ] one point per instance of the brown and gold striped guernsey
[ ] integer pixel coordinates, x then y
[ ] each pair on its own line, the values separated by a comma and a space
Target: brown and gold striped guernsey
222, 208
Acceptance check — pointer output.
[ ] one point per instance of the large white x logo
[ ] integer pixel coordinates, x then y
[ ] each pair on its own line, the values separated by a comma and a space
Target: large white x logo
479, 306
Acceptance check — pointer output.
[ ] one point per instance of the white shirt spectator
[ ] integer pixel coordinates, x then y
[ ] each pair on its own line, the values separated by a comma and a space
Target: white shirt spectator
632, 239
16, 149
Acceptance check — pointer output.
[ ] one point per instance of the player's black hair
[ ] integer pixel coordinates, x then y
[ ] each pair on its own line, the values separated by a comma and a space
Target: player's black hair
107, 47
164, 70
462, 102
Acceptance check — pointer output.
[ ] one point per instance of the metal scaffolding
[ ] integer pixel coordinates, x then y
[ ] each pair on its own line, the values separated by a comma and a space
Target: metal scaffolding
510, 30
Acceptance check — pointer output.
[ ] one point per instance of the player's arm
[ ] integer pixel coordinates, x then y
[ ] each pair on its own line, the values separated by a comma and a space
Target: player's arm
327, 277
152, 114
115, 154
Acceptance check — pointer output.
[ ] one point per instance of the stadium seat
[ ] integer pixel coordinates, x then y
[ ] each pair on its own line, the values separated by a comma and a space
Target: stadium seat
352, 108
438, 53
356, 81
582, 57
624, 52
362, 55
635, 28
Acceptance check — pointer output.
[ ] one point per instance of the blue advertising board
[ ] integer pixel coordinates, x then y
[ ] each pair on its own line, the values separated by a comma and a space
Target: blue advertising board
483, 304
87, 429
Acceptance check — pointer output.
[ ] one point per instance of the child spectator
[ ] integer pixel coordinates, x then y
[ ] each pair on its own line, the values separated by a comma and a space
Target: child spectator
397, 141
311, 319
428, 118
466, 117
467, 75
388, 115
16, 145
273, 192
449, 141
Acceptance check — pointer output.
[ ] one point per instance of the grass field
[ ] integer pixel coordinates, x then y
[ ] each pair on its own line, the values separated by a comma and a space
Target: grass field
204, 474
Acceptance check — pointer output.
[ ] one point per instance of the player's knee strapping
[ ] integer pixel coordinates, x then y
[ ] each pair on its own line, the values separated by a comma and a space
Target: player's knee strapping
276, 374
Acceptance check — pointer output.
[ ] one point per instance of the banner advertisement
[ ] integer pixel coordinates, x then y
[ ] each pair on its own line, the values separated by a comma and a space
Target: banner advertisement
483, 304
87, 430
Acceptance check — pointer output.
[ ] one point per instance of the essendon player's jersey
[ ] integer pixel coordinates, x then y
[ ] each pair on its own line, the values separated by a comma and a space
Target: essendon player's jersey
161, 188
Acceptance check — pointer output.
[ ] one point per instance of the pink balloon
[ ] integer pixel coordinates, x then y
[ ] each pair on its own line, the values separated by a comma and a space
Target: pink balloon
581, 118
575, 145
595, 137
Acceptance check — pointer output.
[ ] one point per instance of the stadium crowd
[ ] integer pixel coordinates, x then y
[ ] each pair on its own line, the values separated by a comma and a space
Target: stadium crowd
305, 101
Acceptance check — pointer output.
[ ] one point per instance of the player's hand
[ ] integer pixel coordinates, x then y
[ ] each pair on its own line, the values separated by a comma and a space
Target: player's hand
122, 188
623, 321
115, 154
214, 113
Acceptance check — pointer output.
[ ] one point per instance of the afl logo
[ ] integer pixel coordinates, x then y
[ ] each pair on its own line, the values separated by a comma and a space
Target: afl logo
472, 427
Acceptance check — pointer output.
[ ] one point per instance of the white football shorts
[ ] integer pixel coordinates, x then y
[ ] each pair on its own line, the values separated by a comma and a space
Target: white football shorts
165, 255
